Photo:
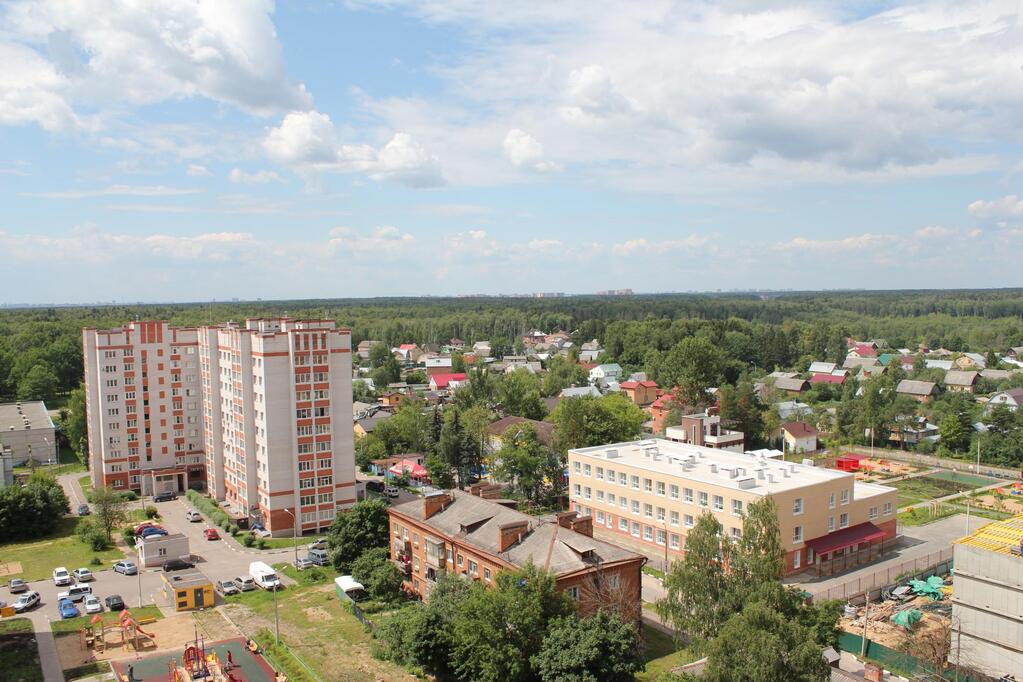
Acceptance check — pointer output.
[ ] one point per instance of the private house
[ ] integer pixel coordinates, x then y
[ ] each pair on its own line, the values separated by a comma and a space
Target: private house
641, 393
438, 365
971, 361
870, 371
379, 467
920, 391
481, 349
791, 408
496, 430
996, 374
392, 398
778, 374
863, 350
930, 363
409, 353
659, 411
960, 382
579, 392
706, 431
534, 337
590, 351
1012, 398
440, 382
903, 361
463, 533
364, 346
913, 430
611, 372
822, 367
854, 363
456, 344
834, 379
365, 426
1015, 353
799, 437
792, 386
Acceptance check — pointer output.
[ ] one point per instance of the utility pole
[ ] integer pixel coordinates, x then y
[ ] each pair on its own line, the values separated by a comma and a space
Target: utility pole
277, 620
866, 619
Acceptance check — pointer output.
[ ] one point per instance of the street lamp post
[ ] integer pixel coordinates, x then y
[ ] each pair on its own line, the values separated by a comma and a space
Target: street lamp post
277, 620
294, 534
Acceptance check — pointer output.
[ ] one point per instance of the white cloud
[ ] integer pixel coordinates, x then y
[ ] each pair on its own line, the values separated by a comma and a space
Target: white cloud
524, 151
107, 52
1007, 208
645, 247
197, 171
308, 141
117, 190
384, 243
237, 175
858, 242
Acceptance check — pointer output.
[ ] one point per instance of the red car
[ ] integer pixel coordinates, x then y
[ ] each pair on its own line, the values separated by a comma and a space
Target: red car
211, 534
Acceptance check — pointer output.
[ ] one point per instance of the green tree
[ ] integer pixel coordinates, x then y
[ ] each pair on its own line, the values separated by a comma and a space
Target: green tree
562, 373
388, 372
355, 530
110, 510
379, 353
588, 421
378, 574
500, 629
32, 510
954, 435
699, 598
76, 425
40, 383
758, 557
362, 393
519, 394
741, 405
693, 365
602, 648
457, 363
533, 469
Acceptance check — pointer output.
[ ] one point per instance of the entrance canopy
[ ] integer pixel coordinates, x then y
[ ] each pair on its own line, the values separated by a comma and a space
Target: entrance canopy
847, 537
414, 470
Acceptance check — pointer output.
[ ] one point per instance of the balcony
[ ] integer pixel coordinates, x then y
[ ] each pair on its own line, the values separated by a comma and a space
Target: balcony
435, 553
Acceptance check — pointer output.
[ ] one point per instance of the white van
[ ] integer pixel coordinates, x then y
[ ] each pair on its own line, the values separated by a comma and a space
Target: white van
75, 593
319, 557
264, 576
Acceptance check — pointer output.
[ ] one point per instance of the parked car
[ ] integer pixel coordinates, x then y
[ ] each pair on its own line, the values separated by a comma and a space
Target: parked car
318, 557
303, 563
211, 534
193, 516
114, 602
92, 604
17, 585
245, 583
176, 565
61, 577
67, 609
226, 587
27, 601
165, 496
375, 486
83, 575
76, 592
83, 510
145, 524
391, 491
126, 568
318, 544
152, 530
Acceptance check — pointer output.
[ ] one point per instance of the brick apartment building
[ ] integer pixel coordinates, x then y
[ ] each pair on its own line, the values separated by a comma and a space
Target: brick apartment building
652, 492
465, 533
246, 411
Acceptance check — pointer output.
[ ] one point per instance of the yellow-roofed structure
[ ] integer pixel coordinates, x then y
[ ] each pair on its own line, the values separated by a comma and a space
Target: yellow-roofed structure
997, 536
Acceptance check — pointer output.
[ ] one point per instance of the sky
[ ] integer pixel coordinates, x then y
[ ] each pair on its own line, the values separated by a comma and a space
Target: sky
187, 151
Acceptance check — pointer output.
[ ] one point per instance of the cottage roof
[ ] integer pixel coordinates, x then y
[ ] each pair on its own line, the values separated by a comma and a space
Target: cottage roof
545, 430
442, 380
786, 384
637, 384
913, 387
799, 429
958, 378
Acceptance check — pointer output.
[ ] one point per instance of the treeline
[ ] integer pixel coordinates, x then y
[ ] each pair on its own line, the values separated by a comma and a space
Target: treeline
40, 348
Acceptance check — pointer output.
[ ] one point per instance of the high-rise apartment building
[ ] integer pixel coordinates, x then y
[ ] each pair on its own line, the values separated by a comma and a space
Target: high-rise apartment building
650, 493
255, 413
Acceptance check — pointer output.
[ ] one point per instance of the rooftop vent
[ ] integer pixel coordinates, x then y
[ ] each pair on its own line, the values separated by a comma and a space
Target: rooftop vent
713, 468
612, 454
746, 483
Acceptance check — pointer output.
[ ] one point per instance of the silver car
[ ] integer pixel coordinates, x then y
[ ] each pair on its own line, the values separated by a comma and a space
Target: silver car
27, 601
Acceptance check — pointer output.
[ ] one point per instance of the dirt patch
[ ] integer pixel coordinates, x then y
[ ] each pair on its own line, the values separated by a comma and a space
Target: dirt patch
883, 469
316, 613
168, 633
1011, 504
10, 568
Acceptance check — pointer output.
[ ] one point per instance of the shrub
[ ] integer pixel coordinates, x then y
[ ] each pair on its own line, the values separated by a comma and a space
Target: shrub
234, 529
128, 535
152, 512
92, 535
129, 495
95, 561
249, 540
261, 543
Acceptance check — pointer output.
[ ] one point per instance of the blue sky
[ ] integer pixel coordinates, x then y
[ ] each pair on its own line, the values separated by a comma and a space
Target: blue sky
190, 151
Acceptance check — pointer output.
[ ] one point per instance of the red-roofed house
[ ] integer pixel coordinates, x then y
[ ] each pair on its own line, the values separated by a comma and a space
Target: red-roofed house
799, 437
837, 379
641, 393
659, 410
863, 350
439, 382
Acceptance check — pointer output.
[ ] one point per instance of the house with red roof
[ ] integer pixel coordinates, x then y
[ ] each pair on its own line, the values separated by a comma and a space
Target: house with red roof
799, 437
641, 393
441, 382
836, 379
863, 350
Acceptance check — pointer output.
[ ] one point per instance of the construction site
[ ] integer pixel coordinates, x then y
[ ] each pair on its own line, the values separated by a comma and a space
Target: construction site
906, 613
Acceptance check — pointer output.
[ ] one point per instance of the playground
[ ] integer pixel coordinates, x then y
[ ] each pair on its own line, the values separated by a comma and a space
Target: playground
877, 470
1008, 499
119, 636
229, 660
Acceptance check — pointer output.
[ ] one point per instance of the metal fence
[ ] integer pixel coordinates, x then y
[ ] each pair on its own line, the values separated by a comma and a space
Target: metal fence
855, 586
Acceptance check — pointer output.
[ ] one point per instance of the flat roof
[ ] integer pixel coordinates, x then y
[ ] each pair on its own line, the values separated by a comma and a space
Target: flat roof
737, 470
32, 413
186, 579
998, 536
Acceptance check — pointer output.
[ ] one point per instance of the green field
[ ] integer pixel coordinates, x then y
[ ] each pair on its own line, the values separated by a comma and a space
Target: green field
38, 558
661, 654
923, 488
19, 656
68, 464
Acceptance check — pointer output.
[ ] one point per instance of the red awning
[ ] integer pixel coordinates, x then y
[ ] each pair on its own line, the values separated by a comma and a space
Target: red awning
847, 537
415, 470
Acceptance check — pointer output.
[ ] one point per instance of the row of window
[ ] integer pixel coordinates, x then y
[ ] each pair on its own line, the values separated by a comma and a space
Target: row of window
716, 502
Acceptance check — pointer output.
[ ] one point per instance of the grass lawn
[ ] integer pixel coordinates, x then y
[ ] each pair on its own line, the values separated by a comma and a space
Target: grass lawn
19, 656
661, 654
920, 517
288, 543
317, 575
86, 483
62, 548
923, 488
68, 464
60, 627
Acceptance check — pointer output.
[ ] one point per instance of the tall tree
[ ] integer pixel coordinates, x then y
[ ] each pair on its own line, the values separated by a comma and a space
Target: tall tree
601, 648
110, 509
361, 527
758, 557
741, 405
76, 426
693, 365
39, 383
533, 468
519, 394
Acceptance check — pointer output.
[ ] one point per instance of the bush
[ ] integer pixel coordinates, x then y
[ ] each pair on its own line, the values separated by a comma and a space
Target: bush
92, 535
128, 535
249, 540
234, 529
129, 496
218, 518
261, 543
95, 561
152, 512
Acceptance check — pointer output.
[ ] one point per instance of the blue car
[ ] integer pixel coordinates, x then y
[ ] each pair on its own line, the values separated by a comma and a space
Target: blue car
152, 530
67, 609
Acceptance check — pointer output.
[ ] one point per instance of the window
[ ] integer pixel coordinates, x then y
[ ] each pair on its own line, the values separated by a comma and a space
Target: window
648, 533
587, 492
600, 496
623, 525
461, 559
736, 507
845, 497
486, 574
674, 541
797, 505
831, 501
635, 506
703, 499
635, 482
831, 523
688, 518
648, 511
872, 513
648, 485
610, 475
719, 503
474, 568
611, 499
587, 470
797, 559
573, 592
673, 491
687, 495
843, 521
661, 537
622, 478
600, 517
736, 533
600, 473
797, 534
577, 490
623, 502
660, 514
660, 488
635, 529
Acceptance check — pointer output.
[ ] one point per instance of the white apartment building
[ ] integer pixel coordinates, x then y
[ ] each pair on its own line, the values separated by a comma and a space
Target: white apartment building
27, 432
255, 415
650, 493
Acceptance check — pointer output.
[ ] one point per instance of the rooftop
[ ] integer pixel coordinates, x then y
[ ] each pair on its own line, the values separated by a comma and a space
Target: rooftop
1000, 537
23, 415
736, 470
185, 579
